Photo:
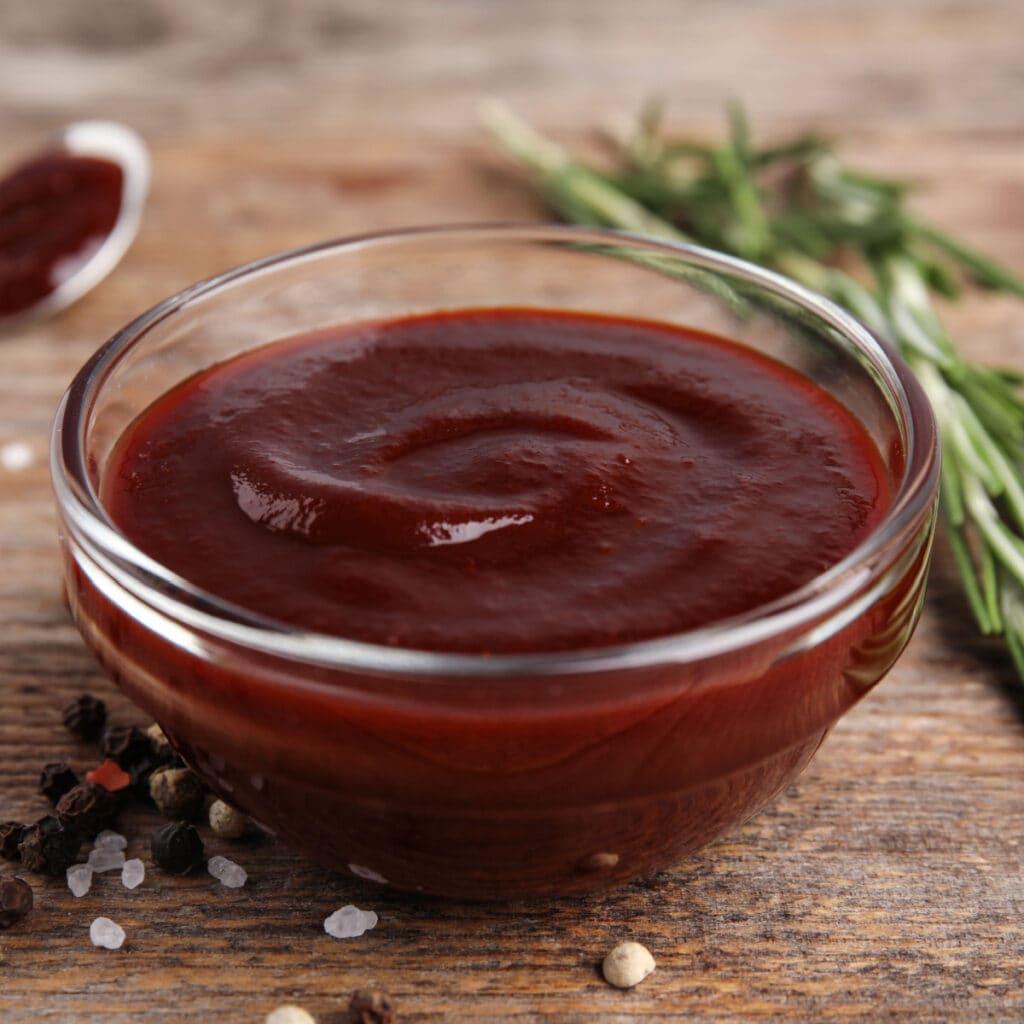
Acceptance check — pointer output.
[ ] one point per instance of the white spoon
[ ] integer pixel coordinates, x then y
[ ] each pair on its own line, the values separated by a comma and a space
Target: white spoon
77, 274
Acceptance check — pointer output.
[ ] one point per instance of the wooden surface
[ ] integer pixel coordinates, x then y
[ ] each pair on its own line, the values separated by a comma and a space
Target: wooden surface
888, 883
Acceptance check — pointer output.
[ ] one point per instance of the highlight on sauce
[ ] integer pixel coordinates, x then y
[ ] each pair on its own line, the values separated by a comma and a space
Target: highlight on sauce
498, 481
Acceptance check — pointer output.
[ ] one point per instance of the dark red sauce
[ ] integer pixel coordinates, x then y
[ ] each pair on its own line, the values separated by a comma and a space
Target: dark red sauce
498, 481
55, 211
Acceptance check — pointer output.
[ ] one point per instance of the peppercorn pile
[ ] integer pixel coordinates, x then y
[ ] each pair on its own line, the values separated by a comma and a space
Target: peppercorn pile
134, 765
131, 765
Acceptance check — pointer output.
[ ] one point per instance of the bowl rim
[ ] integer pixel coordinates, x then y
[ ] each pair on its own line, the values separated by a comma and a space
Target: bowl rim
860, 572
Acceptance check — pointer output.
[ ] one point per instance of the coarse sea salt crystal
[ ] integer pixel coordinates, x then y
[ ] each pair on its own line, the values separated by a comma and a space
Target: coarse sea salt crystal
109, 840
350, 922
16, 456
227, 872
133, 874
368, 873
79, 879
106, 934
105, 858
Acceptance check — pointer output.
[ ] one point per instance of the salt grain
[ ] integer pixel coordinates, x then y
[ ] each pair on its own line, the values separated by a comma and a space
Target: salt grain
227, 872
350, 922
368, 873
110, 840
105, 858
79, 879
133, 874
105, 934
16, 455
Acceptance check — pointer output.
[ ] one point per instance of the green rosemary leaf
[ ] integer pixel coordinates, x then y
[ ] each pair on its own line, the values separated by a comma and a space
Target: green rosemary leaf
645, 147
804, 232
858, 300
985, 271
739, 134
674, 151
997, 406
887, 188
1012, 605
968, 443
1015, 643
994, 400
746, 232
968, 576
1010, 377
1004, 479
984, 515
951, 487
801, 150
990, 589
937, 276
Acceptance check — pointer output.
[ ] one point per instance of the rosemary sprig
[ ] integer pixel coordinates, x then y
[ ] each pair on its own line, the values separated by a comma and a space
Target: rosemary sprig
796, 208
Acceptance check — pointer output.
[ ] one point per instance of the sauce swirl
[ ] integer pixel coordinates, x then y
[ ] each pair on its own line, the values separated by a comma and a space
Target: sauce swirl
498, 481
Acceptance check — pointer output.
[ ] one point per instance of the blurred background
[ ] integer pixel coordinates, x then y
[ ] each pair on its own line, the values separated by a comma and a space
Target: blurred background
279, 122
281, 68
276, 123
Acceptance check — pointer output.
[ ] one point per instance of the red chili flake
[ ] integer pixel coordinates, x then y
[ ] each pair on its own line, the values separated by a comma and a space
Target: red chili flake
110, 775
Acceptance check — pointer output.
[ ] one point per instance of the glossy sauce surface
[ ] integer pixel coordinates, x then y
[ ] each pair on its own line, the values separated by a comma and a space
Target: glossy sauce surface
498, 481
55, 211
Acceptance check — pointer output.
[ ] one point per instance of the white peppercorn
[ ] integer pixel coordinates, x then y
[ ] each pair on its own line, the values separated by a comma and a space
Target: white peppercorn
161, 745
177, 792
627, 965
226, 822
290, 1015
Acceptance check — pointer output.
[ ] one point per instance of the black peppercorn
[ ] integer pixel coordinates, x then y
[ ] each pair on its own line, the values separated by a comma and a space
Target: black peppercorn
15, 900
55, 780
88, 808
127, 745
11, 833
371, 1006
140, 773
85, 717
49, 846
177, 848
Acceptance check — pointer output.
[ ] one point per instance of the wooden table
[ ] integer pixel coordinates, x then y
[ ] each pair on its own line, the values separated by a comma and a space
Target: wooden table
887, 884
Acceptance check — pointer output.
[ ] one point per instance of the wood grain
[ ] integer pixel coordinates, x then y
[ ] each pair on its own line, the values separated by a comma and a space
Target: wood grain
886, 885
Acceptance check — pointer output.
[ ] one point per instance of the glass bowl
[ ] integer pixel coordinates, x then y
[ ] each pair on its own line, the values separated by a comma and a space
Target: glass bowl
505, 776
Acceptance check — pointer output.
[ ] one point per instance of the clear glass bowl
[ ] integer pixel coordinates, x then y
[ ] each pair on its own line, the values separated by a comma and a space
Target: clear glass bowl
495, 777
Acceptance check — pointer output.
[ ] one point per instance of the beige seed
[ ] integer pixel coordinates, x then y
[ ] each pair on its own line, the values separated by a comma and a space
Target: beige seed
627, 965
177, 792
290, 1015
226, 821
599, 862
159, 742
